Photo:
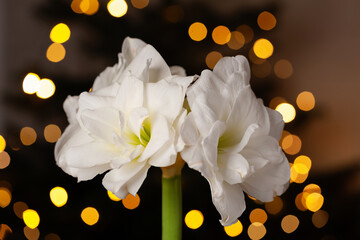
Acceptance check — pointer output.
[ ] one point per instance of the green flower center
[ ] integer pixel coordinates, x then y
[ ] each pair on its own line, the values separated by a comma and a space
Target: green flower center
145, 134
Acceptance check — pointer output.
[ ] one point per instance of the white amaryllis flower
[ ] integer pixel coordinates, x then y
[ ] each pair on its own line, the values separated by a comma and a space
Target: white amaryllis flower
232, 139
127, 123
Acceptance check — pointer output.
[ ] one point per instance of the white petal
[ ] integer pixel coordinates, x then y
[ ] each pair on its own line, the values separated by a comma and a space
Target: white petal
136, 119
210, 144
166, 155
177, 70
276, 123
91, 101
228, 137
233, 167
130, 95
179, 121
189, 132
84, 174
71, 106
227, 66
182, 81
131, 48
109, 76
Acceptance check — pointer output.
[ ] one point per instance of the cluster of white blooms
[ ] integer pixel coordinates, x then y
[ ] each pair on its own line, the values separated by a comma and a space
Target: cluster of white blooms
134, 118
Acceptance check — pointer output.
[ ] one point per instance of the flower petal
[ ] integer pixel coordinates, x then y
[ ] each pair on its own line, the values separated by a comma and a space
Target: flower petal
136, 119
71, 106
210, 144
233, 167
130, 95
276, 123
189, 132
178, 70
131, 48
166, 155
227, 66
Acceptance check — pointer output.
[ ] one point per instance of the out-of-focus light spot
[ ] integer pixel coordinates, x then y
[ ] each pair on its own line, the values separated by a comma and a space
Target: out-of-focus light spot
52, 133
31, 234
4, 159
266, 21
314, 201
197, 31
256, 231
2, 143
297, 177
75, 6
291, 144
173, 14
5, 197
221, 35
90, 216
300, 168
234, 229
31, 83
60, 33
311, 188
52, 236
258, 215
274, 102
31, 218
112, 196
263, 48
237, 40
55, 52
305, 101
305, 160
283, 69
58, 196
320, 218
254, 59
89, 7
47, 88
194, 219
5, 231
212, 58
117, 8
287, 111
19, 208
140, 4
289, 223
246, 31
261, 70
27, 136
275, 206
299, 202
131, 202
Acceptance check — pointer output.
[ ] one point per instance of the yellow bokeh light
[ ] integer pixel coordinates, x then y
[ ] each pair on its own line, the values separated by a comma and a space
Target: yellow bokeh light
174, 14
237, 40
287, 111
197, 31
5, 231
60, 33
263, 48
31, 234
289, 223
2, 143
194, 219
311, 188
5, 197
19, 208
31, 218
55, 52
234, 229
117, 8
58, 196
75, 6
314, 201
52, 236
131, 202
246, 31
283, 69
47, 89
297, 177
274, 102
254, 59
140, 4
52, 133
266, 21
304, 160
112, 196
320, 218
31, 83
27, 136
256, 231
89, 7
221, 35
300, 203
4, 159
300, 168
212, 58
275, 206
291, 144
258, 215
305, 101
261, 70
90, 216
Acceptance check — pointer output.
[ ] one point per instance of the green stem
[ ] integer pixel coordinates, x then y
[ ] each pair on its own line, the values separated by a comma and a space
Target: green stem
171, 208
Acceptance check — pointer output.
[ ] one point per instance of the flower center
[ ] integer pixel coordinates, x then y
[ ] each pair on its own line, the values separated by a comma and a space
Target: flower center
145, 134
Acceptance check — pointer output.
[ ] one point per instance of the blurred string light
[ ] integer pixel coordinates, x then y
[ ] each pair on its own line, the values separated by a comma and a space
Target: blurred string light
52, 133
314, 201
296, 176
283, 69
263, 48
4, 231
320, 218
140, 4
258, 215
305, 101
234, 229
58, 196
194, 219
173, 14
303, 162
112, 196
254, 59
28, 136
261, 70
212, 58
221, 35
266, 21
47, 88
291, 144
31, 218
2, 143
31, 83
60, 33
5, 197
197, 31
52, 236
131, 202
89, 7
290, 223
287, 111
274, 102
19, 208
4, 160
117, 8
90, 216
256, 231
275, 206
55, 52
237, 40
31, 234
246, 31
